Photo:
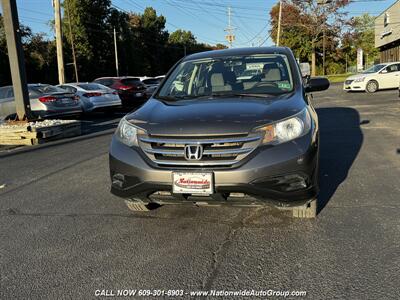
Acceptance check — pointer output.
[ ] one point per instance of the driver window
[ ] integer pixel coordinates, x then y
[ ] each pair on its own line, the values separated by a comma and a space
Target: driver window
392, 68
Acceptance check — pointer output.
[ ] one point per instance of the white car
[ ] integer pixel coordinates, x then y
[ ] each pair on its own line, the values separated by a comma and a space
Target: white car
94, 96
378, 77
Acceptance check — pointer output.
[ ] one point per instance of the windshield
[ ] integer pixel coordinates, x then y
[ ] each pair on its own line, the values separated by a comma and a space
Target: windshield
45, 89
92, 86
374, 69
221, 76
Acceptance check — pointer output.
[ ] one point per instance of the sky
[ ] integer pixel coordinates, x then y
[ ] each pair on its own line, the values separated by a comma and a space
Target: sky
206, 19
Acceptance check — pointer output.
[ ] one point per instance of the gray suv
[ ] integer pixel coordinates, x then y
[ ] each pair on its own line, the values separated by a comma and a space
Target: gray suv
208, 138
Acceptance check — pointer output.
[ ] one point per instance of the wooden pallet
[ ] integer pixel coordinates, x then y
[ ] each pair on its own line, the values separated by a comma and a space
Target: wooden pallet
28, 135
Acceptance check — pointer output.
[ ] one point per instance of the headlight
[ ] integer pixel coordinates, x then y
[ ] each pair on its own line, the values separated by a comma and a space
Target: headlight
361, 79
288, 129
127, 133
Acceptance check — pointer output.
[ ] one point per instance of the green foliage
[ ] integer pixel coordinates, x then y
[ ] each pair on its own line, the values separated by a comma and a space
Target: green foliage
144, 45
182, 37
303, 26
363, 35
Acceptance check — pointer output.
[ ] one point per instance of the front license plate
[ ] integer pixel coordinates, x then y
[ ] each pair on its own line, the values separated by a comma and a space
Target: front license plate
192, 183
139, 94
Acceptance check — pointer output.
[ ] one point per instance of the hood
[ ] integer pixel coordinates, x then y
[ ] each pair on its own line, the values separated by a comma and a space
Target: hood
213, 116
353, 77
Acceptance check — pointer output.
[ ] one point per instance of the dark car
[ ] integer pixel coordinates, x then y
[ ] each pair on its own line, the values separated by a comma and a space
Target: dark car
206, 137
130, 89
151, 85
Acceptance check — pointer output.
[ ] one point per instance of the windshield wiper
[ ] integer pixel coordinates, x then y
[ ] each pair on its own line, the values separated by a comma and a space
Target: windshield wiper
215, 95
253, 95
171, 98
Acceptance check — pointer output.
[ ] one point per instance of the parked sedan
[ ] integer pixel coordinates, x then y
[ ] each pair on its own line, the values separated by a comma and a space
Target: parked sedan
46, 101
378, 77
94, 96
130, 89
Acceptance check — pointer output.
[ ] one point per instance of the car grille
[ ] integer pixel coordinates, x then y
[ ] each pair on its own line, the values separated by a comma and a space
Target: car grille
348, 81
218, 151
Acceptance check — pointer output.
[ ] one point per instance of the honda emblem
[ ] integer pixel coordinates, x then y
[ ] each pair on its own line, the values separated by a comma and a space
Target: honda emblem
193, 152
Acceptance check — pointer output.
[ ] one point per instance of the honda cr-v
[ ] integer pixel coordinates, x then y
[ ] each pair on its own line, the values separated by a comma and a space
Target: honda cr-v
207, 137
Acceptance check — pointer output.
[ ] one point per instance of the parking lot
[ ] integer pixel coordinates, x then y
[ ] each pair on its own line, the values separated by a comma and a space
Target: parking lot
63, 235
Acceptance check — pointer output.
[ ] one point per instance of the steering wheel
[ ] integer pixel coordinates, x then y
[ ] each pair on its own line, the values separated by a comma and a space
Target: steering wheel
267, 87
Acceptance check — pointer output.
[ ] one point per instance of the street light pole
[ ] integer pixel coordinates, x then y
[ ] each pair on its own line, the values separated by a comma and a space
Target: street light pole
72, 43
116, 52
16, 58
323, 51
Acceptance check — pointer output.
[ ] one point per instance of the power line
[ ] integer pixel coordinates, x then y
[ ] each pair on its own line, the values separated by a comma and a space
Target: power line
169, 23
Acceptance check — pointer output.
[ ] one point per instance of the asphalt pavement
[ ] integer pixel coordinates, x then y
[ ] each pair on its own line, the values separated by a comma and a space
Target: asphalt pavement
63, 235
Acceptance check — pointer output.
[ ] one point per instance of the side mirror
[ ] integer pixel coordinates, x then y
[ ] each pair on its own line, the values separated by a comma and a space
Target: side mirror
305, 70
316, 84
384, 71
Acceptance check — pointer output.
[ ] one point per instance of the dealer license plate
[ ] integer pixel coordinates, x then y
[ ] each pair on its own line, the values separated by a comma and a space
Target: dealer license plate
192, 183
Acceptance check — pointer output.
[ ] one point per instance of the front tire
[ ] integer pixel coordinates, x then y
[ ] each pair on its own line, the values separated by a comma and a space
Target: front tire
306, 211
137, 205
372, 86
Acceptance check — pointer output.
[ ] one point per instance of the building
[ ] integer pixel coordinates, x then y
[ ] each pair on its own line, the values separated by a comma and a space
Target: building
387, 33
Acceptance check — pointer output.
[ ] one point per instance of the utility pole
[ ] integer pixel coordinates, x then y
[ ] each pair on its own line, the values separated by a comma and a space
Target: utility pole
323, 50
230, 37
278, 35
16, 58
323, 2
60, 58
71, 37
116, 52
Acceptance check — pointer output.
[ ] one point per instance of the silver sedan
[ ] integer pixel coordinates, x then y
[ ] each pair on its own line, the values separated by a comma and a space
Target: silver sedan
93, 96
45, 100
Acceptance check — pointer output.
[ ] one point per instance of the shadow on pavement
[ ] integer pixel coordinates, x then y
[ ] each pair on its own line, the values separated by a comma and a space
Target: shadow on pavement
340, 142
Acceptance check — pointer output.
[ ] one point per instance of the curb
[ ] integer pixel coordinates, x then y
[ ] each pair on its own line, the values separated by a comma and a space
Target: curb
55, 143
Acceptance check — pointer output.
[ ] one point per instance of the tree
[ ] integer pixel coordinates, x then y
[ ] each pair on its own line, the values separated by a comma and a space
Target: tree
144, 45
219, 46
153, 38
182, 37
92, 35
363, 35
304, 22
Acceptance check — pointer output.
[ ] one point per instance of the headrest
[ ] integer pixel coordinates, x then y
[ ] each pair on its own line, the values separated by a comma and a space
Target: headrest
217, 79
273, 75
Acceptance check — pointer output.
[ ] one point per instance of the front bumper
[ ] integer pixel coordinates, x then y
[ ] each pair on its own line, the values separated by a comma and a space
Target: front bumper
101, 106
354, 86
266, 175
50, 113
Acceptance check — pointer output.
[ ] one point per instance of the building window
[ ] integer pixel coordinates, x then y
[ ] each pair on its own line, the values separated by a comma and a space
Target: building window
386, 19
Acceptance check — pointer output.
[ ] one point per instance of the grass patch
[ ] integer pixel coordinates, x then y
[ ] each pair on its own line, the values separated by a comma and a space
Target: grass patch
338, 77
